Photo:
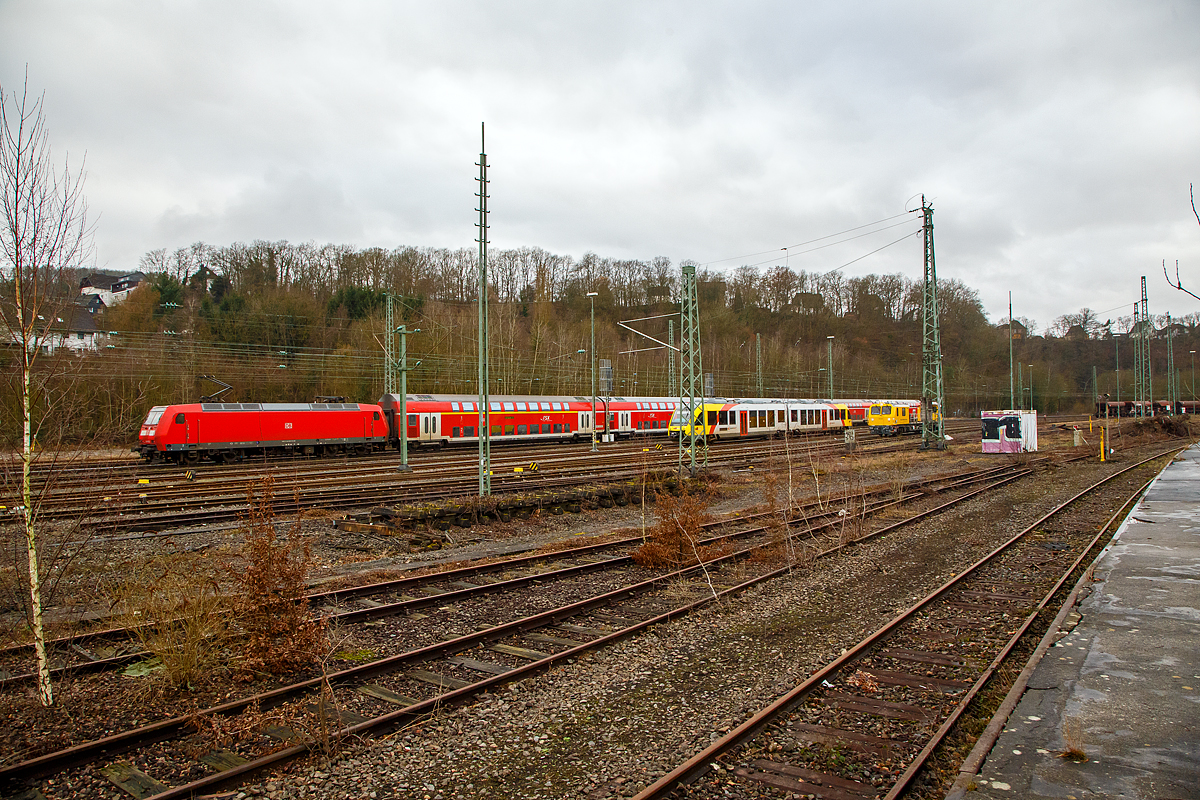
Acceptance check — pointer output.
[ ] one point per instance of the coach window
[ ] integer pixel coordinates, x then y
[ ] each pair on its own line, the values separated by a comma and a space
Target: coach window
753, 419
771, 418
508, 430
454, 406
469, 431
522, 430
509, 407
557, 406
495, 430
412, 419
712, 418
723, 418
566, 427
558, 427
457, 433
495, 407
521, 407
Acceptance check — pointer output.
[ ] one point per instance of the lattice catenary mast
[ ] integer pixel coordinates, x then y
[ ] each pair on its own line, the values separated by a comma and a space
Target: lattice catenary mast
691, 371
932, 394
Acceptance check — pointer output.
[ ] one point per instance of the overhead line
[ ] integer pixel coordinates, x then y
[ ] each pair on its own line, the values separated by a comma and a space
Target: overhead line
810, 241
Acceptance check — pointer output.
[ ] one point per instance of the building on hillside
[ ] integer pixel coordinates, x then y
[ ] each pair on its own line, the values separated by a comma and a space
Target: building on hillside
73, 328
110, 289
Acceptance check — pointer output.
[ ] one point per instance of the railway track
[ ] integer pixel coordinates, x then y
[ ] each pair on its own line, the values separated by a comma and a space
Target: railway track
865, 725
463, 648
76, 655
170, 500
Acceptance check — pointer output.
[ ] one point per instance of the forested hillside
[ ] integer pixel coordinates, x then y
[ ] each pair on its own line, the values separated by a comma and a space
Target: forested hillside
281, 321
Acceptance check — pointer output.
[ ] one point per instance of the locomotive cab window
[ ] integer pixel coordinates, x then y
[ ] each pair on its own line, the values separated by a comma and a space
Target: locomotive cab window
179, 418
375, 415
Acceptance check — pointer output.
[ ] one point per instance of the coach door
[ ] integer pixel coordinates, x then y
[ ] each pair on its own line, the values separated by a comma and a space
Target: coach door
744, 422
625, 423
824, 419
429, 426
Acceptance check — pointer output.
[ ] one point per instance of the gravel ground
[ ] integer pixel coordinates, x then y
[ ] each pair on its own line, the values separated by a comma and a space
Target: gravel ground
609, 724
595, 727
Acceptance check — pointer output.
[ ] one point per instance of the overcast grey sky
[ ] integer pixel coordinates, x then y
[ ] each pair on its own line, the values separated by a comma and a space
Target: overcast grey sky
1056, 140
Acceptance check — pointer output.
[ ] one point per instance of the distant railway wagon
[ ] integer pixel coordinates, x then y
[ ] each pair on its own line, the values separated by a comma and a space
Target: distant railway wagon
719, 418
1140, 408
224, 432
893, 417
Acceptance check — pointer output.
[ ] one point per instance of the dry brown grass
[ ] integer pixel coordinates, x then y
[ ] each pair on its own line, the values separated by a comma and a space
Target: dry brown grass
1073, 740
180, 617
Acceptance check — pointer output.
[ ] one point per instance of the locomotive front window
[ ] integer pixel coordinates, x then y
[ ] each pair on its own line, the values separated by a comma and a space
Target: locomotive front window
155, 415
887, 409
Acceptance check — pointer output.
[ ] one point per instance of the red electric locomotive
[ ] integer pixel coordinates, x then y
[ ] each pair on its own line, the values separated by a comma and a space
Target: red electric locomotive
231, 431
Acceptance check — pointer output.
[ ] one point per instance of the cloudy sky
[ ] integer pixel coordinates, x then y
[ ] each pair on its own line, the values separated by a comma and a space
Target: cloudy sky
1056, 141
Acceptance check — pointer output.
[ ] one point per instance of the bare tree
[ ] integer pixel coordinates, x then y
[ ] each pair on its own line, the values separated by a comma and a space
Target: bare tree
45, 235
1177, 284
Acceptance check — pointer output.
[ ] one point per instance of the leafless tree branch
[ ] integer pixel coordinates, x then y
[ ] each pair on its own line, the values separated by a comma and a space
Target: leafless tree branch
1178, 284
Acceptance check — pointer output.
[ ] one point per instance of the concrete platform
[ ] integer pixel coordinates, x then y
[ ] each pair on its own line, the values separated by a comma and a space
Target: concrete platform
1124, 684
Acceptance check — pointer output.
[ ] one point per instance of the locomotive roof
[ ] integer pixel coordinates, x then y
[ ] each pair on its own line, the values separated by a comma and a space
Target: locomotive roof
279, 407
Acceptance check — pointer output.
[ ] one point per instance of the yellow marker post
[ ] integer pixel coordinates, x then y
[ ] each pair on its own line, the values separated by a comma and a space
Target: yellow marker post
1102, 445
